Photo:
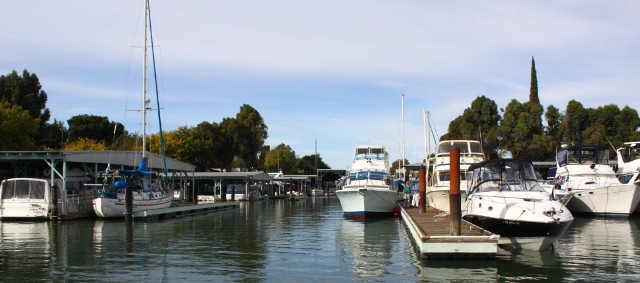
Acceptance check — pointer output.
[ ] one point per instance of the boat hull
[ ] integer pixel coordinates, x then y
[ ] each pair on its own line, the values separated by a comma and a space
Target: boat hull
367, 202
521, 234
111, 207
438, 198
524, 220
613, 200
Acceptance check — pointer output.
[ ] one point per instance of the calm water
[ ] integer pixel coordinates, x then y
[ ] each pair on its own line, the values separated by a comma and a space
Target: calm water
303, 241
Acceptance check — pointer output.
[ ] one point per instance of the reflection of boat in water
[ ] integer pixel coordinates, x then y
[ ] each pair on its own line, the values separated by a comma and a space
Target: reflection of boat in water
368, 245
613, 241
24, 247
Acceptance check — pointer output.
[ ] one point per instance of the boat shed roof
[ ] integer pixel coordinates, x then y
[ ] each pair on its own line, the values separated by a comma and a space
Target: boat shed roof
256, 175
294, 177
113, 157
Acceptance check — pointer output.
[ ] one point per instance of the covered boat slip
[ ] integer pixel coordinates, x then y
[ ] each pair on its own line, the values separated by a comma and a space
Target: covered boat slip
64, 167
212, 183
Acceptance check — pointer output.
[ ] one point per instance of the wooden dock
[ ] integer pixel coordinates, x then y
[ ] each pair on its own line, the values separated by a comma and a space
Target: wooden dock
431, 233
182, 210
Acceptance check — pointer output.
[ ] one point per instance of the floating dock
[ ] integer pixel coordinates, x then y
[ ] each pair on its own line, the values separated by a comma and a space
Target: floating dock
431, 233
182, 210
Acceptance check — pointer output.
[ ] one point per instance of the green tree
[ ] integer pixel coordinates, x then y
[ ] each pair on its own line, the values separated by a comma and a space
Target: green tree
228, 142
252, 133
307, 165
533, 90
25, 91
478, 122
52, 135
17, 128
575, 121
97, 128
520, 126
552, 117
281, 158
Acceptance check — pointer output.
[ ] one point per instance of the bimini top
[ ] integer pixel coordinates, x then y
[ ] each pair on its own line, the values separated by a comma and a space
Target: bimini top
501, 174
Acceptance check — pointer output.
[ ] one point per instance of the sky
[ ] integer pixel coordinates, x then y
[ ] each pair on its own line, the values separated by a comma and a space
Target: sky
324, 75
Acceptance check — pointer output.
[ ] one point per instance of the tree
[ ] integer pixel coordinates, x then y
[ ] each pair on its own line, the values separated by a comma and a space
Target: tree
520, 126
228, 142
575, 121
307, 165
97, 128
251, 133
52, 135
25, 91
552, 117
533, 90
478, 122
281, 158
17, 128
83, 143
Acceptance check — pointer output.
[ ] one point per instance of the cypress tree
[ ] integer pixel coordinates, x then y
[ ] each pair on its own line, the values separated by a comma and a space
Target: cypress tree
533, 91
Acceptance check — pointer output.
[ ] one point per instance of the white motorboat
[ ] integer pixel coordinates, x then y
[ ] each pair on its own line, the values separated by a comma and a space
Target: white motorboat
584, 171
149, 191
33, 197
25, 198
629, 171
505, 198
368, 189
437, 191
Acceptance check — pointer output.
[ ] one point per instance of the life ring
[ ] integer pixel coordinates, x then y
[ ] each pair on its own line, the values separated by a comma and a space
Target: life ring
46, 172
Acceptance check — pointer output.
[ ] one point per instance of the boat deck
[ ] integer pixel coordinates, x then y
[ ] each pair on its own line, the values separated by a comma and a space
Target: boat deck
431, 233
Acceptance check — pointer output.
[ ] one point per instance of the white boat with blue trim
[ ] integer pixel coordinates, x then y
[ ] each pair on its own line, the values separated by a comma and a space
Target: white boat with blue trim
368, 189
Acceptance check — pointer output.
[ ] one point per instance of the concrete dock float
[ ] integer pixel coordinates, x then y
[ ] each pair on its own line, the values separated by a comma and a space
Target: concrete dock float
182, 210
431, 234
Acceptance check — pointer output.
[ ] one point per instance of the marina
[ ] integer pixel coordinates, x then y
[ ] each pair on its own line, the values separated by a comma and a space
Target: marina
308, 240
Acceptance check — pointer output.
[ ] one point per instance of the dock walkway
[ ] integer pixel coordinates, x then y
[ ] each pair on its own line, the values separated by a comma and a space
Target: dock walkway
431, 233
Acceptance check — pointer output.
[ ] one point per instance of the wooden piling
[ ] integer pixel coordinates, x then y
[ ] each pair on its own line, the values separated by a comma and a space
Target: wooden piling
454, 190
422, 193
233, 192
128, 202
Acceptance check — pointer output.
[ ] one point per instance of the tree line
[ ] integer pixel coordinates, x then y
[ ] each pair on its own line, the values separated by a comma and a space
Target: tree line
526, 130
235, 142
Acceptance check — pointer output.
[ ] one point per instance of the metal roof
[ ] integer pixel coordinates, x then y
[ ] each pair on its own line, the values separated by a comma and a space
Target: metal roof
113, 157
256, 176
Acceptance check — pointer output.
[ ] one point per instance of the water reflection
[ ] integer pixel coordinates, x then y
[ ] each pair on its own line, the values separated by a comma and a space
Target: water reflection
367, 245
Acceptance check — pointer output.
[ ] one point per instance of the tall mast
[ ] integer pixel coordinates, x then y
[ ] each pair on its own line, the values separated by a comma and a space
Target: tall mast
144, 81
403, 157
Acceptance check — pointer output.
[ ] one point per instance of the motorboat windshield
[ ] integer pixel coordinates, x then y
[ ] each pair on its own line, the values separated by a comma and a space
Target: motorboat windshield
503, 174
583, 154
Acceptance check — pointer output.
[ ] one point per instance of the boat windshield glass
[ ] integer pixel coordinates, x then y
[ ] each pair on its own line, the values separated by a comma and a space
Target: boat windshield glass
23, 189
502, 175
583, 155
465, 147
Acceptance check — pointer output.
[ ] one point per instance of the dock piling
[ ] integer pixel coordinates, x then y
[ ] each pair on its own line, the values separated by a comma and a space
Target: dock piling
422, 199
454, 191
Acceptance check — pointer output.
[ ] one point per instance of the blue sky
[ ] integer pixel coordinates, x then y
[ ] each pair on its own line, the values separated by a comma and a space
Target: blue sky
331, 71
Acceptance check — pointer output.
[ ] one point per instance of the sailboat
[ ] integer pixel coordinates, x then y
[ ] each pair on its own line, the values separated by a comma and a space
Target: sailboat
149, 192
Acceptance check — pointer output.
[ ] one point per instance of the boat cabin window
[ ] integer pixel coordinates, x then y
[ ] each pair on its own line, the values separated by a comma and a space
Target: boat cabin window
583, 155
23, 189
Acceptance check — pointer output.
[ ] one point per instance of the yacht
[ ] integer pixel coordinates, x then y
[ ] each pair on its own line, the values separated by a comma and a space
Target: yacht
368, 190
437, 190
584, 171
505, 198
